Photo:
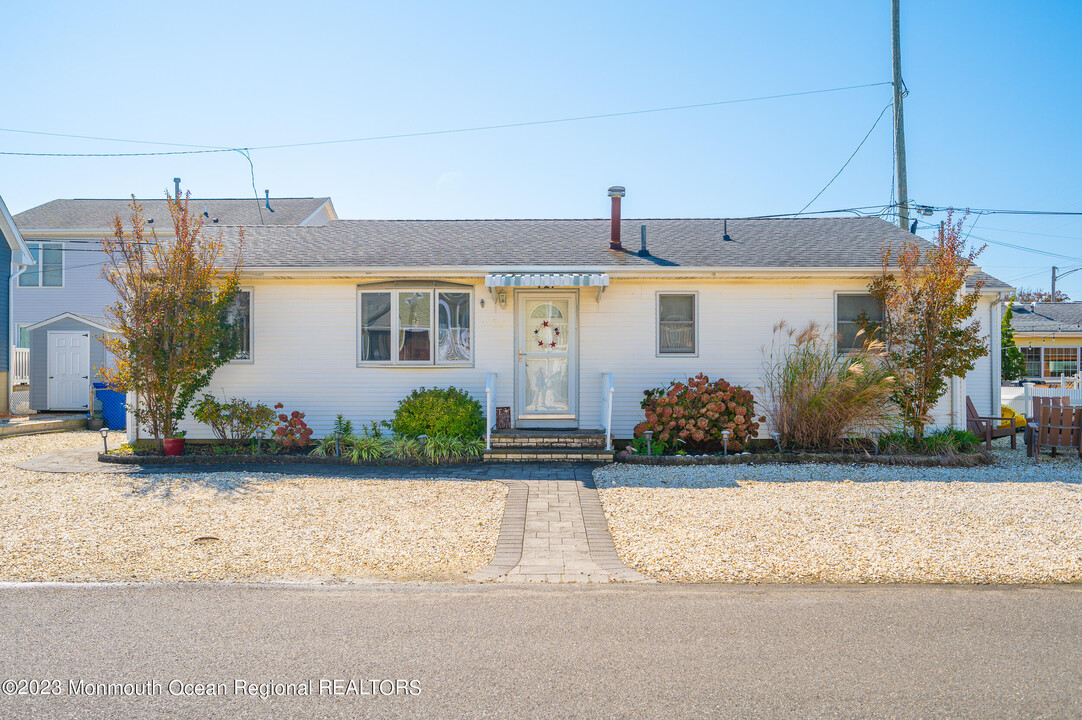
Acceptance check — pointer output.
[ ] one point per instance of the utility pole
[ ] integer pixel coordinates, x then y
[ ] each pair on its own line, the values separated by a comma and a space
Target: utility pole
899, 125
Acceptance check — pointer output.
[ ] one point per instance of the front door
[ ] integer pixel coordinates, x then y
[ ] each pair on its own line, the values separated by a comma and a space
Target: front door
69, 370
546, 374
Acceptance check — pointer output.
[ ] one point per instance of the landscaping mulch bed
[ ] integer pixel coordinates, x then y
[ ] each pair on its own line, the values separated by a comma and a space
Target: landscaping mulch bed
202, 459
766, 458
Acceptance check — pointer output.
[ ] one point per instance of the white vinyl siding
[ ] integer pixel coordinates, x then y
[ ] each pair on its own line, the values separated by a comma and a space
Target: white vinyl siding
308, 336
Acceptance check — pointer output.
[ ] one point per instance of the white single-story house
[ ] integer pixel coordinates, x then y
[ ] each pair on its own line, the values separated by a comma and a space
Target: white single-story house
563, 322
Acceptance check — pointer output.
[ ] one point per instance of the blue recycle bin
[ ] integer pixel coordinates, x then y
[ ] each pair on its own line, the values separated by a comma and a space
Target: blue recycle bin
113, 410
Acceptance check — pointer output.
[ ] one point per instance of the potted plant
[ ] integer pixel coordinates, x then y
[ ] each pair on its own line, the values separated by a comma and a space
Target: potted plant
174, 445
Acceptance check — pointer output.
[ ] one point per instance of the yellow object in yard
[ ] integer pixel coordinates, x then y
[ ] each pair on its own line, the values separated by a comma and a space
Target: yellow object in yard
1008, 412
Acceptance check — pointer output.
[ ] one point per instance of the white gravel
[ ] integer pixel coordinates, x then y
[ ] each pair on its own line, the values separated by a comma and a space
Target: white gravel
1013, 522
86, 527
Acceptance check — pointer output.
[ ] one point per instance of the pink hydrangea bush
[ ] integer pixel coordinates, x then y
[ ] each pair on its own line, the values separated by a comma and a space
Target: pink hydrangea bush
692, 415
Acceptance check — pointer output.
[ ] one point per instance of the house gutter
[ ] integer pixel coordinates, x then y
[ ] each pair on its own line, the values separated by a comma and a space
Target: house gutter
481, 271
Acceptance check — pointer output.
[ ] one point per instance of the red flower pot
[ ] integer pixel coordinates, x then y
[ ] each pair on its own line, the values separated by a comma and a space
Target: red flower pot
173, 446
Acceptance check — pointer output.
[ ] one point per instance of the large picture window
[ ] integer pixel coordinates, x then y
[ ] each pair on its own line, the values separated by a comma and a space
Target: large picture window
48, 267
1059, 361
856, 312
676, 318
414, 326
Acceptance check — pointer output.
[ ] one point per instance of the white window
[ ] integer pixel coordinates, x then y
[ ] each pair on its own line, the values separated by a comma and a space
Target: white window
414, 326
240, 316
48, 267
856, 312
677, 323
1032, 356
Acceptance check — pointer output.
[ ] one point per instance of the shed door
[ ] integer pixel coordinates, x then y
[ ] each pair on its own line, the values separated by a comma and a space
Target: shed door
69, 370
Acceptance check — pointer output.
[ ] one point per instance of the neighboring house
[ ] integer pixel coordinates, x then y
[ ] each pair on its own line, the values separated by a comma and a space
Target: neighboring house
1050, 338
352, 316
64, 275
13, 255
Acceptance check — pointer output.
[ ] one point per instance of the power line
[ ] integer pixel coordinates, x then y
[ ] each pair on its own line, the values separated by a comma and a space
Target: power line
853, 155
478, 128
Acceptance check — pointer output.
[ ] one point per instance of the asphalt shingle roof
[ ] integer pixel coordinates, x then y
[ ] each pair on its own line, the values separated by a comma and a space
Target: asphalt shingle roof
803, 242
990, 283
1065, 317
97, 214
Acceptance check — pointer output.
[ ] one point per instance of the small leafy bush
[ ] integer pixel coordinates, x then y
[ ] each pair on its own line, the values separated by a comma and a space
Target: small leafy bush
694, 413
291, 431
439, 411
365, 448
234, 419
947, 441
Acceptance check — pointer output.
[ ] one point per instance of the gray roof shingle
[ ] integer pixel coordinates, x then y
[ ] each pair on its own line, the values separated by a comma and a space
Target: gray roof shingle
990, 283
803, 242
1064, 317
97, 214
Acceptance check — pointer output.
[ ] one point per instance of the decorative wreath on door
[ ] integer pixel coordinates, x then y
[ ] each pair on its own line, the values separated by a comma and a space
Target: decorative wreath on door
547, 334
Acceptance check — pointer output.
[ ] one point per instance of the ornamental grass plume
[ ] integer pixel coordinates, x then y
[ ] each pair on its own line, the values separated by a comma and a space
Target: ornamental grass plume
819, 399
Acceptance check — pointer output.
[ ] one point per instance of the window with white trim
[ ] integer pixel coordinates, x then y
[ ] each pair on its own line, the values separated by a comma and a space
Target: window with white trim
1032, 356
1060, 361
240, 317
856, 312
676, 323
414, 326
48, 267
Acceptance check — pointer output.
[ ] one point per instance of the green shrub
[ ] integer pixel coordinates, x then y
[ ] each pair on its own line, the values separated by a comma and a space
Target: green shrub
235, 419
441, 448
818, 399
401, 447
439, 411
364, 448
947, 441
696, 413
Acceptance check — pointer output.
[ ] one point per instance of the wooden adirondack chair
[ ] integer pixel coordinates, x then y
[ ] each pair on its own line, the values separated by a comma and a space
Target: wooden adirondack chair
988, 427
1058, 427
1032, 420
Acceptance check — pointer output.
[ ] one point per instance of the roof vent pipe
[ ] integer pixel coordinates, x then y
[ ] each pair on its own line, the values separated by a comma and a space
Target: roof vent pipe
176, 190
266, 193
725, 232
643, 252
615, 192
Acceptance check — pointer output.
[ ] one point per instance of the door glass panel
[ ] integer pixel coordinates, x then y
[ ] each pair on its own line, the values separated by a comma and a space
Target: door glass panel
547, 385
414, 326
547, 328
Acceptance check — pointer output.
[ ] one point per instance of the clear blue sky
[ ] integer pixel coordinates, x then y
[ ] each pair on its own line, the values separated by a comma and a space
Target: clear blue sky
992, 119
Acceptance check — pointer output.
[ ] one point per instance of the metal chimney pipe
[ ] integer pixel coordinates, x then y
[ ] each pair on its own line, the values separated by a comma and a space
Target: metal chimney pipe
615, 192
176, 190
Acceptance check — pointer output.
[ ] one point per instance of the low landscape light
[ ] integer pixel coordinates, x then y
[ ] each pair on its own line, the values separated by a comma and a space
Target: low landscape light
725, 440
777, 439
337, 443
649, 436
105, 438
259, 441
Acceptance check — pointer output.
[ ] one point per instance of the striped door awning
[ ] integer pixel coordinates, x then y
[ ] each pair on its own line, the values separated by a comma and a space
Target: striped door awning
598, 280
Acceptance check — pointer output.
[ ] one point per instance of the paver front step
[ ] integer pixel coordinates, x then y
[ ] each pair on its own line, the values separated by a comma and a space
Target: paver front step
532, 439
548, 455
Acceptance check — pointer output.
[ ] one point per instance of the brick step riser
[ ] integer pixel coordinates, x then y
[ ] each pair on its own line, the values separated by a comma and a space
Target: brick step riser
548, 444
547, 457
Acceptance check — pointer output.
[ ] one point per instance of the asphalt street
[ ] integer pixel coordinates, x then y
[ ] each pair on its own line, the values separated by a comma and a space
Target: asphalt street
435, 651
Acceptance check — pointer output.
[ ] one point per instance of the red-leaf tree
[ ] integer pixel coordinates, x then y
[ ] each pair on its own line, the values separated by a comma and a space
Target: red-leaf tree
171, 315
927, 325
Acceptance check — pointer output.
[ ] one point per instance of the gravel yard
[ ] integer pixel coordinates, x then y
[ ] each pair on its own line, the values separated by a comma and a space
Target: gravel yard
85, 527
1013, 522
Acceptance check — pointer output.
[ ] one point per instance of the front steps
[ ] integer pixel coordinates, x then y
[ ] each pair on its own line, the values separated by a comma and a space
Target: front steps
548, 446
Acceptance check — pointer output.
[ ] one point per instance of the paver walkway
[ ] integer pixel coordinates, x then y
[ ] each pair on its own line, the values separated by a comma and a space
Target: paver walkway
553, 529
